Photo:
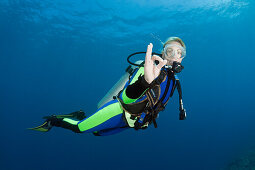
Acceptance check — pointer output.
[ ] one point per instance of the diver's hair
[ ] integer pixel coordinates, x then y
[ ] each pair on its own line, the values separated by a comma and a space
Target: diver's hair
174, 39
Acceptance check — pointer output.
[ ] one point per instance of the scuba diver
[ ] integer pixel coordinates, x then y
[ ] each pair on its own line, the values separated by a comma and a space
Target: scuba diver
143, 93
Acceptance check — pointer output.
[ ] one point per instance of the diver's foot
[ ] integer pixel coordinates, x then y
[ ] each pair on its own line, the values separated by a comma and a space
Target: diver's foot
45, 127
79, 115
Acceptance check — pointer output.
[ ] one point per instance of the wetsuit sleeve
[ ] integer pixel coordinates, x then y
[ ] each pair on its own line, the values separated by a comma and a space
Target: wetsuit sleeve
136, 88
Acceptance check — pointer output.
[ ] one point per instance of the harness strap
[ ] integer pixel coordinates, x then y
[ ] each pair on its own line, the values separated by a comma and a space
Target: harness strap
151, 112
159, 105
170, 77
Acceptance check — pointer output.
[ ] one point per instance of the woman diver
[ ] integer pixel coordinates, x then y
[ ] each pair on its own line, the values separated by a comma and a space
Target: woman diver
137, 105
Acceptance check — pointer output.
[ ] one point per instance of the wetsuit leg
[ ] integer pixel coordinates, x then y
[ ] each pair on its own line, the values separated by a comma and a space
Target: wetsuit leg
109, 116
107, 132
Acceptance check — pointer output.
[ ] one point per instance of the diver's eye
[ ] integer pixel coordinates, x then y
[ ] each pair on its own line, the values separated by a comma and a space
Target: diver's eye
169, 51
179, 52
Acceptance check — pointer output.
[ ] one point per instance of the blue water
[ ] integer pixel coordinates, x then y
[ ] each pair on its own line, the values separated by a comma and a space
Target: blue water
59, 56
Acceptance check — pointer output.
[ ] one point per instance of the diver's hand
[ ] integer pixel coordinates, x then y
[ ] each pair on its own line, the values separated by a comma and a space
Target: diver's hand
151, 70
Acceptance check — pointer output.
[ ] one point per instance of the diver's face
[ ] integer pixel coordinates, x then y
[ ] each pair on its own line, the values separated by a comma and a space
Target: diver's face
173, 53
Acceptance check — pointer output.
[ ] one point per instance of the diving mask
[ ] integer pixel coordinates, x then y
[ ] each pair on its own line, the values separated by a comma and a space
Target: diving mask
171, 52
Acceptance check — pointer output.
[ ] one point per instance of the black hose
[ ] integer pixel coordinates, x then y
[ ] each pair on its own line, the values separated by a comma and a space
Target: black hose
128, 58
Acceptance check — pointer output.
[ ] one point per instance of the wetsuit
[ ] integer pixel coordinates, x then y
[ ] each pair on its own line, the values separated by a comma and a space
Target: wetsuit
112, 118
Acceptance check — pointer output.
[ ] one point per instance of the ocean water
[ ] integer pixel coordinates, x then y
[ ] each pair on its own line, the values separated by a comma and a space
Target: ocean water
60, 56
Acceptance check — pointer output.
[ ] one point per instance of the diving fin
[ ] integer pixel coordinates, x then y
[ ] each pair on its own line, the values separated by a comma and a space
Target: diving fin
79, 115
45, 127
53, 119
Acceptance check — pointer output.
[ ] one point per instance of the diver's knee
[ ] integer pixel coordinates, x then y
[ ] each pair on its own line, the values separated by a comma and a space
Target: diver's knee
76, 129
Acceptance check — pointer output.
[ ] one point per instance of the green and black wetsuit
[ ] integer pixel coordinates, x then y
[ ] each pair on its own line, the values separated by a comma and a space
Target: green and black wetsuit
124, 111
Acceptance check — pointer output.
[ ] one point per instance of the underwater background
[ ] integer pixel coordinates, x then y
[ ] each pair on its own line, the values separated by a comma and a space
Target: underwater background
60, 56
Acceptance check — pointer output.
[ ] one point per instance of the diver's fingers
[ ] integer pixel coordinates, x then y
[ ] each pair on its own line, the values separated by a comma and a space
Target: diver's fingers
148, 54
161, 64
161, 61
156, 57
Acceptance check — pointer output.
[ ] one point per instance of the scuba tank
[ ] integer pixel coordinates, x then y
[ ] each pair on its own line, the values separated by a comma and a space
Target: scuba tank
119, 85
